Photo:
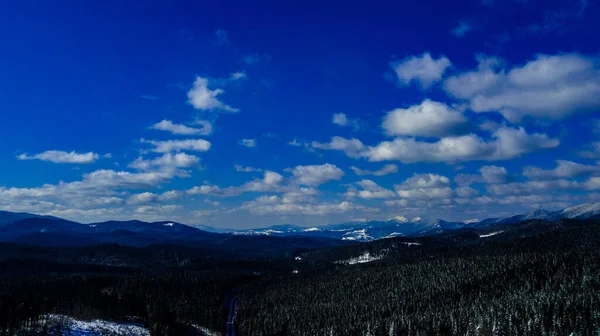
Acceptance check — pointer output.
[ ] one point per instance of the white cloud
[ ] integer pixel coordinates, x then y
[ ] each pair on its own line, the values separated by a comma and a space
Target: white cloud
426, 193
592, 151
205, 190
550, 87
385, 170
166, 161
466, 192
530, 187
352, 147
462, 28
143, 198
341, 119
180, 129
198, 145
425, 186
243, 169
372, 190
487, 175
564, 169
171, 195
316, 174
422, 69
424, 181
238, 76
203, 98
62, 157
250, 143
428, 119
507, 143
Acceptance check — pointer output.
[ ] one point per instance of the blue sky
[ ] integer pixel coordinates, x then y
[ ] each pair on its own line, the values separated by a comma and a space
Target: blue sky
234, 114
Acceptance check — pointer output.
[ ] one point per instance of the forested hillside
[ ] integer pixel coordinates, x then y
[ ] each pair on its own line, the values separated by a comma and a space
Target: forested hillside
547, 284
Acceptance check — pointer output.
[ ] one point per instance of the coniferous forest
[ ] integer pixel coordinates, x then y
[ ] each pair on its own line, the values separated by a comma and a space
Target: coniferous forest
541, 279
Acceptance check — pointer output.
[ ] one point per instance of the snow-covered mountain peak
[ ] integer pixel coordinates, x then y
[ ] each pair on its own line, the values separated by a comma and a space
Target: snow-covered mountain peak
581, 211
399, 219
417, 219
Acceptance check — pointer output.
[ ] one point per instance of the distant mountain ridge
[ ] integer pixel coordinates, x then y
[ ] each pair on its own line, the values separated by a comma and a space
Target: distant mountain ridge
417, 226
46, 230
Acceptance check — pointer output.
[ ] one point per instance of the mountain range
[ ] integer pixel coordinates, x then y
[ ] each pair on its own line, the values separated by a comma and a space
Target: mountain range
34, 229
418, 226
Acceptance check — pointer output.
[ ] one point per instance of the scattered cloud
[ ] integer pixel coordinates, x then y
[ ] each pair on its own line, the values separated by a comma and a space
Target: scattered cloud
236, 76
422, 69
341, 119
166, 161
549, 86
250, 143
428, 119
143, 198
203, 98
372, 190
506, 143
180, 129
148, 97
57, 156
244, 169
385, 170
197, 145
564, 169
316, 174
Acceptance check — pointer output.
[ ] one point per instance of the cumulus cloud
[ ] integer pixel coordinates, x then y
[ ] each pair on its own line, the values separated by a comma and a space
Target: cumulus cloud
385, 170
531, 187
143, 198
549, 86
341, 119
250, 143
166, 161
352, 147
57, 156
488, 175
564, 169
316, 174
180, 129
197, 145
422, 69
171, 195
466, 192
205, 190
372, 190
424, 181
506, 143
244, 169
203, 98
428, 119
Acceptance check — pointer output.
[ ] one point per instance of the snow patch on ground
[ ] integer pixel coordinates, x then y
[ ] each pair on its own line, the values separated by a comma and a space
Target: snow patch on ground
411, 244
94, 327
312, 229
361, 259
358, 235
490, 234
169, 224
